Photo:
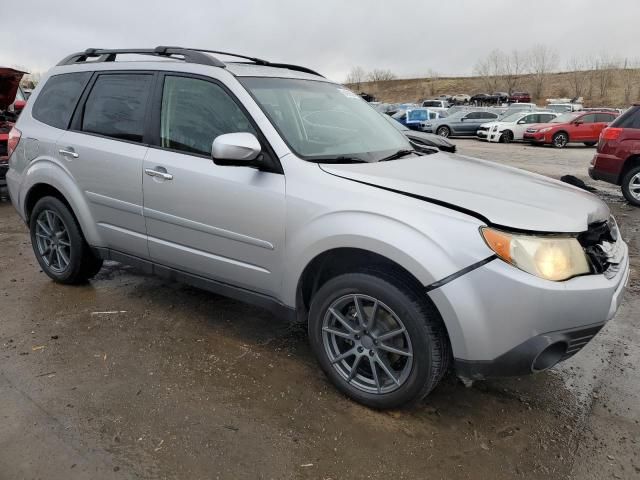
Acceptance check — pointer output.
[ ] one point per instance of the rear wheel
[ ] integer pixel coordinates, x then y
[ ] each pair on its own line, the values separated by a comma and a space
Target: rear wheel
444, 131
59, 245
507, 136
631, 186
560, 140
377, 339
590, 144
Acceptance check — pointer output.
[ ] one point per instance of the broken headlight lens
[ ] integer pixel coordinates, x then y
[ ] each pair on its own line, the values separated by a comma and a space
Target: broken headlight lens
550, 257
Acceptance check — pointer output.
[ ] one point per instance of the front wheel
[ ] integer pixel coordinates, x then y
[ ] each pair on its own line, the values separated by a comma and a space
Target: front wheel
560, 140
507, 136
444, 132
58, 243
377, 339
631, 186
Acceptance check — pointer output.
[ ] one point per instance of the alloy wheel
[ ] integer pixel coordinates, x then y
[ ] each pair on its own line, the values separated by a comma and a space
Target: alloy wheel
634, 186
560, 140
53, 241
367, 343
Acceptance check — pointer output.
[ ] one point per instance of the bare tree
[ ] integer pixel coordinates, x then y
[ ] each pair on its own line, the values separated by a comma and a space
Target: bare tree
605, 68
578, 76
513, 67
542, 61
490, 69
430, 83
380, 75
630, 79
356, 76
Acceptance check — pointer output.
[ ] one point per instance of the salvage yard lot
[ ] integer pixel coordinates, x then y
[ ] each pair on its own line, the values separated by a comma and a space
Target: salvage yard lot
135, 377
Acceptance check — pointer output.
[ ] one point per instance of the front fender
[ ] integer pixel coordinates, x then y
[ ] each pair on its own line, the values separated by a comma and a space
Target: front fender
50, 172
426, 257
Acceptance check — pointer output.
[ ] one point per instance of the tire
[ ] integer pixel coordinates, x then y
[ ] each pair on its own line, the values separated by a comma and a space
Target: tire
399, 306
444, 131
590, 144
631, 186
560, 140
507, 136
58, 243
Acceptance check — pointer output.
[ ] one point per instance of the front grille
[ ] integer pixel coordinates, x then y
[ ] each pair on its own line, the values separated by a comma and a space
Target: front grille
578, 339
483, 128
602, 244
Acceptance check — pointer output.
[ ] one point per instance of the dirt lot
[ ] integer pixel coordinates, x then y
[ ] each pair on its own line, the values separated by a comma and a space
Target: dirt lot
134, 377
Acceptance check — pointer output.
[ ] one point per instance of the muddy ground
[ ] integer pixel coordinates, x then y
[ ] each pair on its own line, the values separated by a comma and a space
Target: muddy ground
134, 377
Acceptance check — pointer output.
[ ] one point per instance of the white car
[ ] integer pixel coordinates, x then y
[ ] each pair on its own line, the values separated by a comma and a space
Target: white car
512, 126
565, 107
461, 98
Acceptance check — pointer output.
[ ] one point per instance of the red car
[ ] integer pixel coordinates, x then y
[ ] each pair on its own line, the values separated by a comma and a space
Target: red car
618, 158
10, 107
573, 127
520, 97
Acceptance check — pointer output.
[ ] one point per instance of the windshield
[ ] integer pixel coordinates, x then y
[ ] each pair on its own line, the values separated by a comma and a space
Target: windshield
324, 121
512, 117
565, 118
397, 125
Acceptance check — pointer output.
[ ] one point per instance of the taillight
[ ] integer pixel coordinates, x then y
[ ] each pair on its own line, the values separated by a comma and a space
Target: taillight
611, 133
14, 139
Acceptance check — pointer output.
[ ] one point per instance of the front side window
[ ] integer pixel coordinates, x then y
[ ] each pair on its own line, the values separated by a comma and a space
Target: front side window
590, 118
57, 100
322, 121
194, 112
116, 106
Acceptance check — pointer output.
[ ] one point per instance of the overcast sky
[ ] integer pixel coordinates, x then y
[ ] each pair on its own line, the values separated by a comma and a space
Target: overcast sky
410, 37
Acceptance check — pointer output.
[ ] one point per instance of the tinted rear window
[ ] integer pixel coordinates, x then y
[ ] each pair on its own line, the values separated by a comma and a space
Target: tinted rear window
116, 106
57, 100
629, 119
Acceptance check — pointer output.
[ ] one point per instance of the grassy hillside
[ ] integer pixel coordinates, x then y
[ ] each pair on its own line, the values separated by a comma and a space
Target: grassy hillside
617, 86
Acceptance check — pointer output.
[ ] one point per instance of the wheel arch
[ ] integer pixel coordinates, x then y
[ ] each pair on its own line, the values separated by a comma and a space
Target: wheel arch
47, 178
631, 162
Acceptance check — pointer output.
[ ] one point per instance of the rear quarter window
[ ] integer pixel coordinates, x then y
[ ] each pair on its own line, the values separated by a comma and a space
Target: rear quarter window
629, 119
58, 98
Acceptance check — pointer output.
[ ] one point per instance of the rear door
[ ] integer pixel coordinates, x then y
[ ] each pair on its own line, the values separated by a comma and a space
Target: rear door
602, 120
221, 222
104, 150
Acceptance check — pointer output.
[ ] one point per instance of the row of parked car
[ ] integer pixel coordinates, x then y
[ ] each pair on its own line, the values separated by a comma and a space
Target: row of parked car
617, 160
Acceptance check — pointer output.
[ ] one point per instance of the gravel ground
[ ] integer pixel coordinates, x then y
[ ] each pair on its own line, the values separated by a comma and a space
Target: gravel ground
134, 377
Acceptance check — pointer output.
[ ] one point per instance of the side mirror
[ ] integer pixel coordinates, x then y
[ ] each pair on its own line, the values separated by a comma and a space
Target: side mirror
18, 105
240, 149
462, 119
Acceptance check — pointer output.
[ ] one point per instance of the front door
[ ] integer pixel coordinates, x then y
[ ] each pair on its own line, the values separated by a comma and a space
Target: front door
221, 222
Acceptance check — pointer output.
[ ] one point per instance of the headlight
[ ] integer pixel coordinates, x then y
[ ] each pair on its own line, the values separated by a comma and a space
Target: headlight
427, 125
550, 257
543, 130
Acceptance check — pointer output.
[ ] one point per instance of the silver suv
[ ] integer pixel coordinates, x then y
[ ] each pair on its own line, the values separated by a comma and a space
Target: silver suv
268, 183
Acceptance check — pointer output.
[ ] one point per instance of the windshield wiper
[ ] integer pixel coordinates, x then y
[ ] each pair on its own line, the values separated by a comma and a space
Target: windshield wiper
340, 159
399, 154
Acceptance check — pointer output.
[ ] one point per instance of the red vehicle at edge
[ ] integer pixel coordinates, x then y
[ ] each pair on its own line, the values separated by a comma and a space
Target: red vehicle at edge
618, 158
10, 107
573, 127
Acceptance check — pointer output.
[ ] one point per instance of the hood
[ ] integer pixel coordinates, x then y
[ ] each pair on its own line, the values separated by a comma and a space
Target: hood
499, 195
9, 82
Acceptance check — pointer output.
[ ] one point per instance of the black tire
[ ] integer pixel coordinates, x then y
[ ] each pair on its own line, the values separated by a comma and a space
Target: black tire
444, 131
631, 181
507, 136
590, 144
82, 263
428, 339
560, 140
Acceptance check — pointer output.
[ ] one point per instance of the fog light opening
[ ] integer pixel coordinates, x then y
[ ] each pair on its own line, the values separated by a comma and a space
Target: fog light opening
549, 356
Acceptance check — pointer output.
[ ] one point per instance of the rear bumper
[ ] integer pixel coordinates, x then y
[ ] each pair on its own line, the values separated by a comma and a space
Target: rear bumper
501, 319
606, 168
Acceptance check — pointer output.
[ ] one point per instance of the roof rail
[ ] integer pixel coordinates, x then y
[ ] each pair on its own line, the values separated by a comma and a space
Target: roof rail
189, 55
109, 55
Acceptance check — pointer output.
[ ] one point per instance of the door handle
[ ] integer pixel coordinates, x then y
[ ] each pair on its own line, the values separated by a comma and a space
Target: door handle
158, 174
68, 152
